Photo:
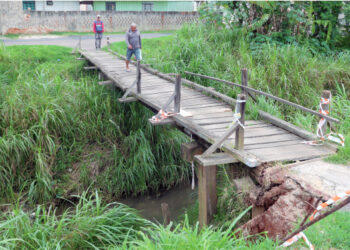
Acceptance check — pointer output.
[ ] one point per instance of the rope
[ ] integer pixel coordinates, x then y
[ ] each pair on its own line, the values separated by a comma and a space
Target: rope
335, 137
331, 201
237, 115
295, 238
192, 166
328, 203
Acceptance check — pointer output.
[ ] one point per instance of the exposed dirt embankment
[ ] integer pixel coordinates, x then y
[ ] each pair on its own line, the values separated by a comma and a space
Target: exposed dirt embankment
283, 201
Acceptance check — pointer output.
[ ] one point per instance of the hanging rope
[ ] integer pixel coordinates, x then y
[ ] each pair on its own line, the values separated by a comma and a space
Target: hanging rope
335, 137
331, 201
237, 115
192, 166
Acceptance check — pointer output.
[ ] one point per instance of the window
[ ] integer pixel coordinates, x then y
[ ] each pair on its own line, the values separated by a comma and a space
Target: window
110, 5
86, 5
28, 5
147, 6
49, 2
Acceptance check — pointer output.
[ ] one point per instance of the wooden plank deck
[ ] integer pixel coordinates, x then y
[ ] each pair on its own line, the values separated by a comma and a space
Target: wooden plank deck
263, 142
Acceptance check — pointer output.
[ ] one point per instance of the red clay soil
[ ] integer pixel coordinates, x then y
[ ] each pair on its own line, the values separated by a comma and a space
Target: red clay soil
286, 202
37, 30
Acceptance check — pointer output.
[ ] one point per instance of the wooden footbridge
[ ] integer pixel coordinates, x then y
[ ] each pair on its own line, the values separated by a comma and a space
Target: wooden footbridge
214, 120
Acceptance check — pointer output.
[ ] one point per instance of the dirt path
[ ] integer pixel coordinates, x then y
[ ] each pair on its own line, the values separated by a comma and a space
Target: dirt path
87, 42
329, 178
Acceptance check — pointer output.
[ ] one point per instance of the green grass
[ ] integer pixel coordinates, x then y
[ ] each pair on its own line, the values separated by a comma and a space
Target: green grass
92, 224
57, 33
289, 72
60, 132
331, 232
89, 225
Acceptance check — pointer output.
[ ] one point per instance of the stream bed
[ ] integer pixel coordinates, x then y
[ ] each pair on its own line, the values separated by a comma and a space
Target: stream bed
178, 199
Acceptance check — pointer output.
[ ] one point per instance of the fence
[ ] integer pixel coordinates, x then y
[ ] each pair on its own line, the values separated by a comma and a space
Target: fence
62, 21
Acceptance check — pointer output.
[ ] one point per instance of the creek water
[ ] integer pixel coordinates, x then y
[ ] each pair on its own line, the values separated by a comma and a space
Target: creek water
178, 198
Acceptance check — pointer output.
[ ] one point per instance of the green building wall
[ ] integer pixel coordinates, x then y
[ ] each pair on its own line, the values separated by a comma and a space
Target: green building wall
100, 6
137, 5
180, 6
128, 6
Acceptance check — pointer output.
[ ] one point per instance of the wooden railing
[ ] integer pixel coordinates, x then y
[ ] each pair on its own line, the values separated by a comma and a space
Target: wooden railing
249, 89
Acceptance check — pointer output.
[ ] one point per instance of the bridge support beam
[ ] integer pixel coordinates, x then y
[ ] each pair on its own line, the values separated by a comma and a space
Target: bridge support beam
190, 149
207, 196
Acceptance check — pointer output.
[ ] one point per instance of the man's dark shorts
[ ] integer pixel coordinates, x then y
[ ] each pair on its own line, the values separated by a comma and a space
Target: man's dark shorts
136, 52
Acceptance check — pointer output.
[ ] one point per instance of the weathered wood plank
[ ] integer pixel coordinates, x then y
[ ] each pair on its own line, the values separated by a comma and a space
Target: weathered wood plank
247, 158
217, 143
108, 82
190, 149
268, 139
273, 145
215, 159
127, 99
287, 126
290, 153
90, 67
167, 121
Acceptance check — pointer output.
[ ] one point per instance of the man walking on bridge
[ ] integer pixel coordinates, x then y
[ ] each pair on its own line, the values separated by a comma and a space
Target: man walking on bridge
98, 30
133, 41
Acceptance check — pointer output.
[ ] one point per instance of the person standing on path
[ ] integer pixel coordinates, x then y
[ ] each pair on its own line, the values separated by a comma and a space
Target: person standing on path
133, 41
98, 30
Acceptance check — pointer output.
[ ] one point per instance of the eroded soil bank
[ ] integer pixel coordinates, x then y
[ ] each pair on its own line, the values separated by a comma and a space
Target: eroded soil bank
280, 200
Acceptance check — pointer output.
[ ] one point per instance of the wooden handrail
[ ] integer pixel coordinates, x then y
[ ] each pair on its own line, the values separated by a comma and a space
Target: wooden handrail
329, 118
186, 82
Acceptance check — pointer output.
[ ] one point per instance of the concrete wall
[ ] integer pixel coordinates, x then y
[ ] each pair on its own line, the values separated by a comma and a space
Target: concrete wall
20, 21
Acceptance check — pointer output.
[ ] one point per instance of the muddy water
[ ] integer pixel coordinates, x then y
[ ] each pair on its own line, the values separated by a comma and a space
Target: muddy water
178, 199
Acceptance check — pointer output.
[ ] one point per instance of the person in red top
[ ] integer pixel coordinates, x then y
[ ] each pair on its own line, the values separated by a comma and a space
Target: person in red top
98, 30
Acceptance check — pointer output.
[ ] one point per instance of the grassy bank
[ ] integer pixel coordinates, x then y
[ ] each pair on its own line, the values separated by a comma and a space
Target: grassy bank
90, 225
290, 72
94, 225
61, 132
57, 33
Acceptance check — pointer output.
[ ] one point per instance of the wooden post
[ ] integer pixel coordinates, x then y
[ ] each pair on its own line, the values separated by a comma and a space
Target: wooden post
206, 194
165, 213
108, 44
190, 149
244, 78
138, 76
326, 94
240, 108
177, 94
219, 141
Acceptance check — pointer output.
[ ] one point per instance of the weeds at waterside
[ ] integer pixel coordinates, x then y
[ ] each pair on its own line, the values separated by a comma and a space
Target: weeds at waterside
60, 131
287, 71
90, 225
93, 225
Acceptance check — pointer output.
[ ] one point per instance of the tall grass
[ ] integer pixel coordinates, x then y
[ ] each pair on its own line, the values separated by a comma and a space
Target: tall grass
56, 119
184, 236
290, 72
90, 225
